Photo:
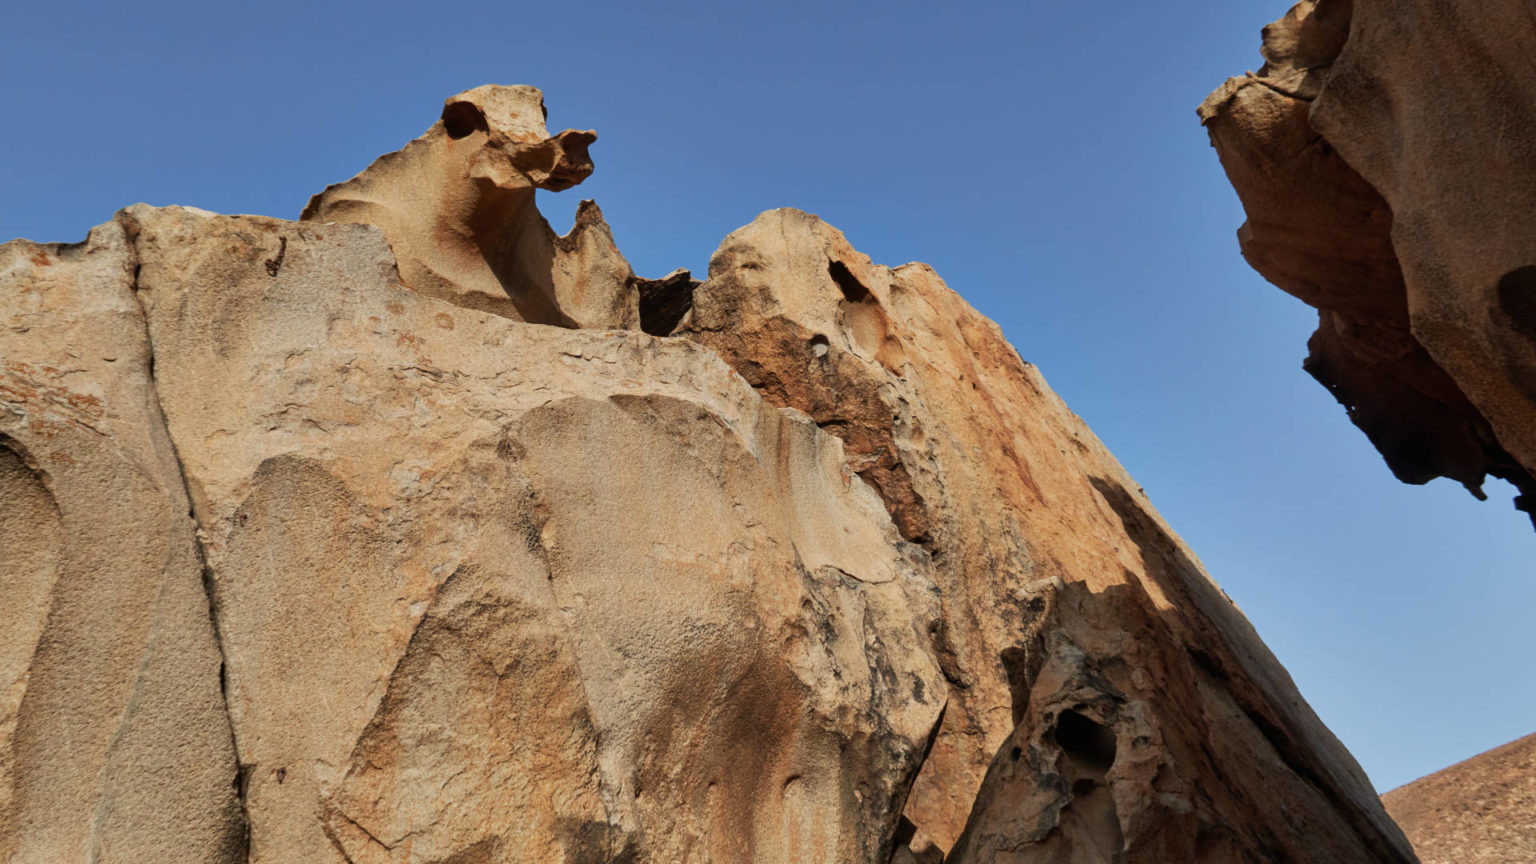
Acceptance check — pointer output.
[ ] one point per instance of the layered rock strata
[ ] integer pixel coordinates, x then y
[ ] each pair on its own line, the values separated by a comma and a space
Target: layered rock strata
319, 563
1383, 155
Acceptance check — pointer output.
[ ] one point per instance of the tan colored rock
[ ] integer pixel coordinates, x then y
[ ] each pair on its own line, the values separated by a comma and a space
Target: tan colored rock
1481, 811
1107, 701
457, 206
1372, 155
114, 742
490, 589
835, 578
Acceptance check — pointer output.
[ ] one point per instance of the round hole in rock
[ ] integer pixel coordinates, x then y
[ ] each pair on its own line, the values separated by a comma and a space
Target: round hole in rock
1517, 298
461, 119
820, 345
1090, 745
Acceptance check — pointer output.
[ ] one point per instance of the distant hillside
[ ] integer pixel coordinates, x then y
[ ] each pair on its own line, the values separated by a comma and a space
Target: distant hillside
1480, 811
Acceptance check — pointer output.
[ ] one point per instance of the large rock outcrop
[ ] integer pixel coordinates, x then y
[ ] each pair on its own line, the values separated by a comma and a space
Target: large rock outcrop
1481, 811
1099, 682
316, 563
1384, 155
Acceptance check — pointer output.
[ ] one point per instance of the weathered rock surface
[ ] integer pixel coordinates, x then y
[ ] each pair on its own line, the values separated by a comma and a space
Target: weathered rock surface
316, 563
457, 206
1384, 156
1481, 811
1100, 683
565, 596
114, 741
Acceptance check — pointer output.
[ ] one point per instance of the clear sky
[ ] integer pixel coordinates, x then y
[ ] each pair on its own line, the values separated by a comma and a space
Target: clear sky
1045, 158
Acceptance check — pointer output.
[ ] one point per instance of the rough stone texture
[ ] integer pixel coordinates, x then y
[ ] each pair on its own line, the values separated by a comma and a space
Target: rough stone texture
457, 206
562, 596
828, 576
114, 742
1067, 603
1384, 156
1481, 811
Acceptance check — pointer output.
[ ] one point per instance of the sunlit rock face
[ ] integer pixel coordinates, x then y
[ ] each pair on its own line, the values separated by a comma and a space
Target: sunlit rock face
331, 541
1383, 154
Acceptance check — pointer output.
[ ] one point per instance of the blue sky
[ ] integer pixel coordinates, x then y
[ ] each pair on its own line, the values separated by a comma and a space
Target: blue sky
1044, 157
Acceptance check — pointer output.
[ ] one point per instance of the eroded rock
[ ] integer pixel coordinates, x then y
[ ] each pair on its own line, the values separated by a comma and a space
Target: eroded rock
114, 741
457, 206
1070, 610
829, 576
564, 596
1379, 155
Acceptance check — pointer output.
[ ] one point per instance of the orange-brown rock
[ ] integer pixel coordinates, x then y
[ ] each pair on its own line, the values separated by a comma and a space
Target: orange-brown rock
1481, 811
312, 562
1381, 157
1107, 701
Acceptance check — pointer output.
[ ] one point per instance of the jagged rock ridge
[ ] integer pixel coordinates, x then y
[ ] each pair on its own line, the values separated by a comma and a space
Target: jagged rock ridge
1383, 155
396, 534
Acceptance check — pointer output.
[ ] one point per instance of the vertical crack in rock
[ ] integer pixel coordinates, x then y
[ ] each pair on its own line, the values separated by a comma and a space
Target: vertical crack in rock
161, 429
115, 732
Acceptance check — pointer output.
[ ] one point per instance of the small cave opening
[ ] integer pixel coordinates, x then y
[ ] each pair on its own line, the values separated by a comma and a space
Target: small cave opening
462, 119
853, 290
665, 301
820, 345
1090, 745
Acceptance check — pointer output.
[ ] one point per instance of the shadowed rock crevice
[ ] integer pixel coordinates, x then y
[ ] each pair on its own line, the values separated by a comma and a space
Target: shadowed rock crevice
853, 290
1088, 744
1517, 299
665, 302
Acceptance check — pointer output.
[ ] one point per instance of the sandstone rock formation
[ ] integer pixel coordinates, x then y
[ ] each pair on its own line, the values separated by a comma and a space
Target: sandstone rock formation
318, 563
1383, 154
457, 206
1099, 682
1481, 811
114, 740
